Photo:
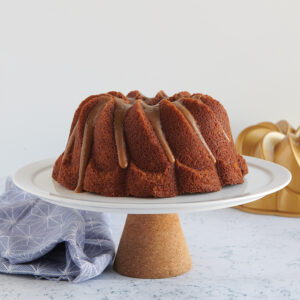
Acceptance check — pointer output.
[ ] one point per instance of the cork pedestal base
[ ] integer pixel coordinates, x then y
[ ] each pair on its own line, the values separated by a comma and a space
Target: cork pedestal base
152, 246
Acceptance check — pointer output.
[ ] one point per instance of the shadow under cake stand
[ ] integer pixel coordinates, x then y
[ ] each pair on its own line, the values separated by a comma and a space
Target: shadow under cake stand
152, 243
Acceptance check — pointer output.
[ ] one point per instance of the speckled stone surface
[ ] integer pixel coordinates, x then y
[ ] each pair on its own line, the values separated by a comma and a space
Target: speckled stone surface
235, 255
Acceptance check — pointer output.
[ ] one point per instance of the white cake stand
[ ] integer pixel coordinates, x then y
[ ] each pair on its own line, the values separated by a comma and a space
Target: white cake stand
152, 244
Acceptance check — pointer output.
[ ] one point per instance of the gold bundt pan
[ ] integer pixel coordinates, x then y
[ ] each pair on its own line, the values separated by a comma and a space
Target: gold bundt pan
279, 143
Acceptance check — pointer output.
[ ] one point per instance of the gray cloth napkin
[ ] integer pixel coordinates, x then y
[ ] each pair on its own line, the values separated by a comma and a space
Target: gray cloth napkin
50, 241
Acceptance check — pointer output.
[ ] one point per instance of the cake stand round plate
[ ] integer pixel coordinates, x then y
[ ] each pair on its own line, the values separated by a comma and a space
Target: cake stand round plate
264, 178
153, 244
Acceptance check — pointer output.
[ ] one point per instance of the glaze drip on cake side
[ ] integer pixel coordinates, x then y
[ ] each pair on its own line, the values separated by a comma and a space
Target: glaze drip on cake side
119, 115
153, 114
151, 108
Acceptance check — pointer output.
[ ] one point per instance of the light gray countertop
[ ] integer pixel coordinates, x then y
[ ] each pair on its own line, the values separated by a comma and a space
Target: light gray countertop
235, 256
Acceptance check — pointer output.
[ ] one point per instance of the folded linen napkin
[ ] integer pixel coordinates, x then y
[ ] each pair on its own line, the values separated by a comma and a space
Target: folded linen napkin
50, 241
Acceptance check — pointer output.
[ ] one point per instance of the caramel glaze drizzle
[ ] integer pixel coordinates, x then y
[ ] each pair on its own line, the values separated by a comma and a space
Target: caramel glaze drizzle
121, 108
198, 97
119, 115
153, 114
225, 134
189, 117
70, 143
87, 142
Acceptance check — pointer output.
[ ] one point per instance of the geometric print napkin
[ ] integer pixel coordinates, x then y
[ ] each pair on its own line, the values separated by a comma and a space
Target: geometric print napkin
52, 242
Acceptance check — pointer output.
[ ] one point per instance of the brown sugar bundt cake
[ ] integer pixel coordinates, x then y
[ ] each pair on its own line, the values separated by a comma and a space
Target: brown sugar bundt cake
149, 147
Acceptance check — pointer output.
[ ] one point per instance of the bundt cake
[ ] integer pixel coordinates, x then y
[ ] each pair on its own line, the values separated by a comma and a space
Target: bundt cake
149, 147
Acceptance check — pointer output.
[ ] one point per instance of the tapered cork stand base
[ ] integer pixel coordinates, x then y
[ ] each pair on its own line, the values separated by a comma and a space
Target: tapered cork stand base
152, 246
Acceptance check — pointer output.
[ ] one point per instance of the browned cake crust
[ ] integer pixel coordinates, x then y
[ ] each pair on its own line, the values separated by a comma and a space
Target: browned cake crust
149, 147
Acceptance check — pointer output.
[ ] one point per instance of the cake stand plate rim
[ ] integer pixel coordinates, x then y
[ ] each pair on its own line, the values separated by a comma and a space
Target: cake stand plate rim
264, 178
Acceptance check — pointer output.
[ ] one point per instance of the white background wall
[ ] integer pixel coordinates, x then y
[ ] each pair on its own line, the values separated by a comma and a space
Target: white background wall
55, 53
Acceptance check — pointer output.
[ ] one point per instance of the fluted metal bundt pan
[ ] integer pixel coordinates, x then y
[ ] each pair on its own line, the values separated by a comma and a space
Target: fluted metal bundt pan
279, 143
